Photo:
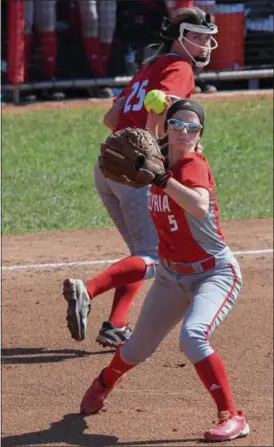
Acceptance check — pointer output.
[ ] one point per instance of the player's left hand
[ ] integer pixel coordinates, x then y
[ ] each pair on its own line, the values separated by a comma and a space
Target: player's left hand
132, 157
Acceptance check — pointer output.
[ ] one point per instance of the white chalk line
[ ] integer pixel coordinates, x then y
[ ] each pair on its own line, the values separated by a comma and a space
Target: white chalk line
106, 261
151, 393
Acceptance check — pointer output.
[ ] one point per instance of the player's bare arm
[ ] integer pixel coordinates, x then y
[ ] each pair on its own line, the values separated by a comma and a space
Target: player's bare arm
194, 201
111, 118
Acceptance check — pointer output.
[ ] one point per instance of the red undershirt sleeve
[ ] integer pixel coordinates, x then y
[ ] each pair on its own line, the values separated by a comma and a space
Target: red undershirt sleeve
194, 174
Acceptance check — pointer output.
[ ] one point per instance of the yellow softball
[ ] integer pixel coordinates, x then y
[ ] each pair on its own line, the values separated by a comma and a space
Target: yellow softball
155, 100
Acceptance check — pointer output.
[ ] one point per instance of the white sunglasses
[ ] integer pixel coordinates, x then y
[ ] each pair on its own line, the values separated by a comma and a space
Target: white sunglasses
181, 125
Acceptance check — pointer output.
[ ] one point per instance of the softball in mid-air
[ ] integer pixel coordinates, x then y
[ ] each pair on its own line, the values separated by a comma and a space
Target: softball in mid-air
155, 100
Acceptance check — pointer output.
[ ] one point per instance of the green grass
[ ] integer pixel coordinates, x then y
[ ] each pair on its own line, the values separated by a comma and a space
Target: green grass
48, 158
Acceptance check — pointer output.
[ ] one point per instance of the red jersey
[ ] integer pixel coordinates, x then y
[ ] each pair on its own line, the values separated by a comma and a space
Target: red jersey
169, 73
183, 237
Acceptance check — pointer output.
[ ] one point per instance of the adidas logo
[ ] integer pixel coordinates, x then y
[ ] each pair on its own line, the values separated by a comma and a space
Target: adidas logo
214, 387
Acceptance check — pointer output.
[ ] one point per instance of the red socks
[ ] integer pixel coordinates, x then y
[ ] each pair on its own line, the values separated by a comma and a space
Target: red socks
210, 370
105, 52
98, 54
126, 276
93, 53
212, 373
116, 369
48, 50
126, 271
123, 298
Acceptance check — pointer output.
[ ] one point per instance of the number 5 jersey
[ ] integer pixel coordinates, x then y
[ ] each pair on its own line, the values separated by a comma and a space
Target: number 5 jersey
183, 237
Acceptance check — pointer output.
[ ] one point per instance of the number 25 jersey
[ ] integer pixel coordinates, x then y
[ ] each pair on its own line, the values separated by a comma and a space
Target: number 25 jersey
169, 73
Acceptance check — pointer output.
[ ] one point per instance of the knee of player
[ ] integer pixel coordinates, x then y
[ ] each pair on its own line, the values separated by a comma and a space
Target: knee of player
192, 338
133, 354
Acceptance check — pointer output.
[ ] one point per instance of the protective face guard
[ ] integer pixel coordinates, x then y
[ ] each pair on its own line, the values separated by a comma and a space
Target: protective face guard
200, 29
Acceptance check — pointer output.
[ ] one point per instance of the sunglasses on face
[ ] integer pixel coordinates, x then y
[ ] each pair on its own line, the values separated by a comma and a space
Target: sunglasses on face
180, 126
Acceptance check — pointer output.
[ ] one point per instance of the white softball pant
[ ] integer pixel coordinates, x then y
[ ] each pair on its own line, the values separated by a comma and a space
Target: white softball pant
42, 13
98, 18
201, 300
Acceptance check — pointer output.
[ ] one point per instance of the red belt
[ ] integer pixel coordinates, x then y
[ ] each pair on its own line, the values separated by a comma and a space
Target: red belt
191, 268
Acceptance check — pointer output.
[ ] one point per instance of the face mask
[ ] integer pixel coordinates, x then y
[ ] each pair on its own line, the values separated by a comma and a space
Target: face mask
200, 61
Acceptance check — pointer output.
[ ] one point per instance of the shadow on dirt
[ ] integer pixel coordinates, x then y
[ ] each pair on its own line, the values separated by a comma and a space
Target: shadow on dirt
70, 430
42, 355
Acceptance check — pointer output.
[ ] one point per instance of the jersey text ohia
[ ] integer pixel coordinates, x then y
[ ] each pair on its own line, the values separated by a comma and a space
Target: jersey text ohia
184, 238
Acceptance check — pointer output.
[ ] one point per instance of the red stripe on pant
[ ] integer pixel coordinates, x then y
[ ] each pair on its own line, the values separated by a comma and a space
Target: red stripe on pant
235, 277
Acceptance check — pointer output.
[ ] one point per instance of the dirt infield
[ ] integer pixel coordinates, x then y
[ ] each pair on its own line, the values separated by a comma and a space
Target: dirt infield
160, 403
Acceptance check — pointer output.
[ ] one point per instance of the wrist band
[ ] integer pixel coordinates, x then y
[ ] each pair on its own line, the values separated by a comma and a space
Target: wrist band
162, 179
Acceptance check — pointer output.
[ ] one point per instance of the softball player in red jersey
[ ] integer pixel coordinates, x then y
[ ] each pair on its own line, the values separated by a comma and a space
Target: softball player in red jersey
42, 14
188, 40
197, 281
